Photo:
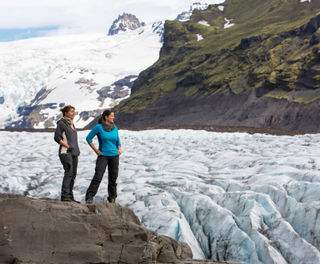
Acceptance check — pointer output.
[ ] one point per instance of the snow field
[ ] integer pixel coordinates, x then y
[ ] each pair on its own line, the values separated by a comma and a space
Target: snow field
57, 64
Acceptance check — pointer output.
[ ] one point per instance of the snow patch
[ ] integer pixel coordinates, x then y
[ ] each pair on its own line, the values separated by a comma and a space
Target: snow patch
204, 23
199, 37
228, 23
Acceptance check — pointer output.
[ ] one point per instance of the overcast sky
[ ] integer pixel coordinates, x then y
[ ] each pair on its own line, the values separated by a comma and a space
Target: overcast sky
86, 15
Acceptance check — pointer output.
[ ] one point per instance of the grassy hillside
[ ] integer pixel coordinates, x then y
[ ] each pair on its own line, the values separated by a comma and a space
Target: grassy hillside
273, 50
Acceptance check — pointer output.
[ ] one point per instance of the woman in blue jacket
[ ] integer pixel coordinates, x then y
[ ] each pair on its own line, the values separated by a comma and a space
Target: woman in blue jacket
108, 155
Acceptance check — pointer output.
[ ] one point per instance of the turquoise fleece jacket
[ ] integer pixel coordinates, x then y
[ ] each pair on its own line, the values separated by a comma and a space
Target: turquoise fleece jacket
108, 141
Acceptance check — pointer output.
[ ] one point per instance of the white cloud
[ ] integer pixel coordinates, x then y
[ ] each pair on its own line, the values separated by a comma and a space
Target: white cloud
86, 15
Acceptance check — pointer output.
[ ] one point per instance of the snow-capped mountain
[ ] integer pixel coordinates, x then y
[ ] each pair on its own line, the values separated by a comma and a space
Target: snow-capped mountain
91, 72
125, 22
40, 75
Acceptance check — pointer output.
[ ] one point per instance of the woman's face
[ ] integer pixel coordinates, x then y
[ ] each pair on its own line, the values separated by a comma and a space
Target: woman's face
70, 113
110, 118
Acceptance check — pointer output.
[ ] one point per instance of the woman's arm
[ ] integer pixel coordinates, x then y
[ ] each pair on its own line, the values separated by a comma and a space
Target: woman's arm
118, 143
89, 138
119, 150
58, 137
64, 144
97, 151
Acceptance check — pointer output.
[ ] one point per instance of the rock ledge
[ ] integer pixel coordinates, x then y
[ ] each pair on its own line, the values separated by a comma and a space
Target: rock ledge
50, 231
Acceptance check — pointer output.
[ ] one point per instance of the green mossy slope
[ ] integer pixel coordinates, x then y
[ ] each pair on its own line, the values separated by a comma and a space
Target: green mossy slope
273, 48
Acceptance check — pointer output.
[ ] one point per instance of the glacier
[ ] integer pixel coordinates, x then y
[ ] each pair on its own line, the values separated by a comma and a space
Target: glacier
230, 196
48, 72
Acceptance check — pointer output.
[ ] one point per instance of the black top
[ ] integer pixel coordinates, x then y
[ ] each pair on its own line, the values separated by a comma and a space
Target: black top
71, 135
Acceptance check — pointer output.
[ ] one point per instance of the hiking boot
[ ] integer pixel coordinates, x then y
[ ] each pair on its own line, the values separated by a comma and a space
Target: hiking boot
66, 199
89, 201
112, 200
75, 201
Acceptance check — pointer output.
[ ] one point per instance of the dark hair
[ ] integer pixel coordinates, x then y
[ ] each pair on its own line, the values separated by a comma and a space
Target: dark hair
66, 109
104, 114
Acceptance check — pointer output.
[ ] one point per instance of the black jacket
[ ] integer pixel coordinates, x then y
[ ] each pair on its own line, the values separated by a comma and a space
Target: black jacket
66, 133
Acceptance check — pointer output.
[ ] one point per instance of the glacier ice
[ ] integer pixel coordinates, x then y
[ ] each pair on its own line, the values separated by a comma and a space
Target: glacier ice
230, 196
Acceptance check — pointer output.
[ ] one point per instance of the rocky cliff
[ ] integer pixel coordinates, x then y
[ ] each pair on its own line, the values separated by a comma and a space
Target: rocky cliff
243, 63
125, 22
51, 231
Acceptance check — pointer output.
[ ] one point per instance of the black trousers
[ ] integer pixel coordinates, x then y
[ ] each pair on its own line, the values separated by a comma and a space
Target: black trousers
70, 166
113, 169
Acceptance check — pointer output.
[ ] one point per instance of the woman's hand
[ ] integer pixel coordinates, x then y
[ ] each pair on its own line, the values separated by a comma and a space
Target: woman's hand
64, 144
97, 151
119, 151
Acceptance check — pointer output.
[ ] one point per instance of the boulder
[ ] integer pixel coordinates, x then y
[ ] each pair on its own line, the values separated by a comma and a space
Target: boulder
50, 231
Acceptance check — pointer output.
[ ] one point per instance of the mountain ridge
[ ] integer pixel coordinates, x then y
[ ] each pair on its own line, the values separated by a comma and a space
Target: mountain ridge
269, 56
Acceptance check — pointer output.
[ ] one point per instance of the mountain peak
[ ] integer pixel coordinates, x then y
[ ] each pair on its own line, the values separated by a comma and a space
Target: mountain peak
185, 16
125, 22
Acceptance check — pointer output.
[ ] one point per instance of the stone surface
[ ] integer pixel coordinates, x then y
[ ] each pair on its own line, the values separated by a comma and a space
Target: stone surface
245, 110
51, 231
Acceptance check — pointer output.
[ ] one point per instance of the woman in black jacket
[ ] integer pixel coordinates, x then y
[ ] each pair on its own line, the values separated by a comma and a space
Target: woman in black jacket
66, 136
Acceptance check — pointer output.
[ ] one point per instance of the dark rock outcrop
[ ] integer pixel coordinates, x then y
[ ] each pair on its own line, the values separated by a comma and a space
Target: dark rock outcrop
226, 110
118, 89
158, 28
51, 231
312, 26
246, 42
125, 22
32, 116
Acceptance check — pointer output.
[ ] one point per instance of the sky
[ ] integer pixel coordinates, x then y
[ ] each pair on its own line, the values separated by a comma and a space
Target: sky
30, 18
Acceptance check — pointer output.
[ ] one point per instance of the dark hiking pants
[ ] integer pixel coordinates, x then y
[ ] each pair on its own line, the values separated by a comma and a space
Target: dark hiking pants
70, 165
113, 168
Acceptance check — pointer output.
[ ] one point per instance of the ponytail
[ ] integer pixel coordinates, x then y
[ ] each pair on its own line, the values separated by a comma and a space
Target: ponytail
66, 109
104, 114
